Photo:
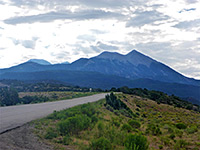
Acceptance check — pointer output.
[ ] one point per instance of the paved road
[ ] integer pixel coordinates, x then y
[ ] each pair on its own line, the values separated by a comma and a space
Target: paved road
14, 116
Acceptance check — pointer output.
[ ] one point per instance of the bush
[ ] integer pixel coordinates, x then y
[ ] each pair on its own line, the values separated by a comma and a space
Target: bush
116, 123
117, 104
165, 140
192, 130
170, 130
172, 136
181, 126
126, 127
160, 147
50, 133
88, 109
136, 142
180, 144
73, 125
101, 144
134, 123
179, 133
66, 140
153, 129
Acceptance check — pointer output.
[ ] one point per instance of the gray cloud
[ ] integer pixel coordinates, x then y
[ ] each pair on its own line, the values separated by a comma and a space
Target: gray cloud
2, 48
158, 50
26, 43
183, 10
106, 46
87, 37
96, 31
51, 16
88, 3
188, 24
146, 17
63, 55
191, 1
102, 46
183, 57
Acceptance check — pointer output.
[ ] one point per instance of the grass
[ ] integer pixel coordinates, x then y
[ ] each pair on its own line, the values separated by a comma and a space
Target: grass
101, 126
54, 96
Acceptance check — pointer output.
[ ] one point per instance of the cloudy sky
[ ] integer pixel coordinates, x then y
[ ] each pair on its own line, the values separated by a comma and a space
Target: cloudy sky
66, 30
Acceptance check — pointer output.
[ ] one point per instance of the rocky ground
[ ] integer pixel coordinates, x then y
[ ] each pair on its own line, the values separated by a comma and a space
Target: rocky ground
22, 138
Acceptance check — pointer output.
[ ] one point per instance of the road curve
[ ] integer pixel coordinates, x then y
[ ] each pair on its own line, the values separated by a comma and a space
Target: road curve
14, 116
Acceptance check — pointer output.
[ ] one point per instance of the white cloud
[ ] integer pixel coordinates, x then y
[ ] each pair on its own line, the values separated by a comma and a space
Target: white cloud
65, 30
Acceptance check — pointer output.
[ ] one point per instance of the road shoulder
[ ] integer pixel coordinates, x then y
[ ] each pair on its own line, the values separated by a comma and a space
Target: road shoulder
22, 138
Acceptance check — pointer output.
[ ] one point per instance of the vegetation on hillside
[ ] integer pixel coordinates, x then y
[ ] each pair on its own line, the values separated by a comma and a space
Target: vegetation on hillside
159, 97
119, 122
10, 96
43, 86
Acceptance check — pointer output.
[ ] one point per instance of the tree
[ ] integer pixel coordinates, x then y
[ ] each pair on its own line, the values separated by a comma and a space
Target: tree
8, 96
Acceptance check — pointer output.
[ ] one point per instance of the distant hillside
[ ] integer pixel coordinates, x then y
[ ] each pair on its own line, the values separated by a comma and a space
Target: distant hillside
97, 80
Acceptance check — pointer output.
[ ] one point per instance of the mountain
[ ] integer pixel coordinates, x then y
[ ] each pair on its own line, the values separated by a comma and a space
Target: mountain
40, 61
111, 70
134, 65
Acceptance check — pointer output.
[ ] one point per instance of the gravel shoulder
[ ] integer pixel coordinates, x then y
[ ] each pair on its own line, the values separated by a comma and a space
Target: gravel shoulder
22, 138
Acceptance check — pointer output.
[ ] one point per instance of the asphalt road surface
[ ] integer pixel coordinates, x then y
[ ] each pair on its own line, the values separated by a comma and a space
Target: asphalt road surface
15, 116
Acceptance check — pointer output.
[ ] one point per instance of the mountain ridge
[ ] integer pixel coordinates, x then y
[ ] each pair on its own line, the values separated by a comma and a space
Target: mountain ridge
133, 65
133, 69
39, 61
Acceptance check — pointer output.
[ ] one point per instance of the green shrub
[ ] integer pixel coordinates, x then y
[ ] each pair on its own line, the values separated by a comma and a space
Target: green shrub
117, 104
165, 140
116, 123
100, 127
88, 109
153, 129
170, 130
134, 123
126, 127
50, 133
100, 144
181, 126
94, 119
136, 142
172, 136
192, 130
66, 139
73, 125
180, 144
179, 133
160, 147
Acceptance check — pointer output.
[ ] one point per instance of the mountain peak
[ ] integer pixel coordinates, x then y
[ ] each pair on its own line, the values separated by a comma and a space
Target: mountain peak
110, 55
137, 58
40, 61
134, 52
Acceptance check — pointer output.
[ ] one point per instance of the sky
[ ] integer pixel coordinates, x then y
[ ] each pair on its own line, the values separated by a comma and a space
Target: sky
66, 30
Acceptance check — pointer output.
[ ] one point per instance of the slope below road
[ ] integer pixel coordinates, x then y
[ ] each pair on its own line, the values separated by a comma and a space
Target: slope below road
15, 116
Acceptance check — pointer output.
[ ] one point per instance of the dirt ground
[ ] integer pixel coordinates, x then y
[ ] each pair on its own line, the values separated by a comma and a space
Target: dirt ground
22, 138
